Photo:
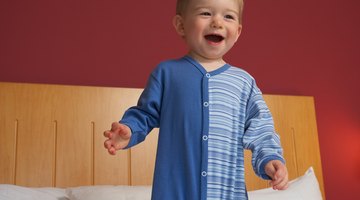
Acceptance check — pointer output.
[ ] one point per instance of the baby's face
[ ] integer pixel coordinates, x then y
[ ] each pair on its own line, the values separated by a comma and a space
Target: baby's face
211, 27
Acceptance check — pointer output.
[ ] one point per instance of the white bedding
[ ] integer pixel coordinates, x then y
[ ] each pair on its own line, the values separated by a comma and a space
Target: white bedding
305, 187
13, 192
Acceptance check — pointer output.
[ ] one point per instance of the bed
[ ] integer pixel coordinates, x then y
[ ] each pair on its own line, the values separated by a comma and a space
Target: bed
51, 145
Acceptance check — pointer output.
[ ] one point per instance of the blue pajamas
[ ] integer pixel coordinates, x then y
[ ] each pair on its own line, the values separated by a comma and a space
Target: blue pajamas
206, 121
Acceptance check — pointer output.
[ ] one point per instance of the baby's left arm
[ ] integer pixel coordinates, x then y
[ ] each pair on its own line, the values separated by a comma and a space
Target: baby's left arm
278, 173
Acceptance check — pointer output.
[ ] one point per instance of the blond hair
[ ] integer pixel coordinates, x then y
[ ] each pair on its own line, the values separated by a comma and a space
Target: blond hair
182, 4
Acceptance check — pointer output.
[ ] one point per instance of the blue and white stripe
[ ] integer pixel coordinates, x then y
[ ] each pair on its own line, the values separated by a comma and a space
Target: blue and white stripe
233, 99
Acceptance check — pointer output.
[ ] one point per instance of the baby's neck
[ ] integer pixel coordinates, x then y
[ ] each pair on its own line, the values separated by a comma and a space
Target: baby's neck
209, 64
212, 66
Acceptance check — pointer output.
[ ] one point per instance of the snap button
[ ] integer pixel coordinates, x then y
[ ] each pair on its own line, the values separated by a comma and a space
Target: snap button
203, 173
208, 75
206, 104
205, 137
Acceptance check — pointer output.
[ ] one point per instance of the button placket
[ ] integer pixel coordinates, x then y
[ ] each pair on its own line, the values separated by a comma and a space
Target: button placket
205, 129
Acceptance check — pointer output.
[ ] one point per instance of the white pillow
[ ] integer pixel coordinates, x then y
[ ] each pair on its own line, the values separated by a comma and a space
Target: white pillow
305, 187
58, 193
15, 192
109, 193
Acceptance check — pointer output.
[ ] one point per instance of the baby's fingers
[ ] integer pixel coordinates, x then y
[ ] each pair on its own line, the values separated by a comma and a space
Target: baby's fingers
115, 126
107, 144
112, 151
108, 134
280, 181
282, 184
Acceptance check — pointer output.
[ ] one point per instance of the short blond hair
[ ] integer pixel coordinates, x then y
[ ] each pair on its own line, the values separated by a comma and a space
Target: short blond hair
182, 4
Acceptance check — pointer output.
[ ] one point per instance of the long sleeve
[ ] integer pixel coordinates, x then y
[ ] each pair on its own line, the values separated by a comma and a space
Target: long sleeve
260, 136
145, 116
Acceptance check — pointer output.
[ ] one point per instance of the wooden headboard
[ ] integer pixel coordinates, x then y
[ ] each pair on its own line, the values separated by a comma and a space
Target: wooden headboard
52, 135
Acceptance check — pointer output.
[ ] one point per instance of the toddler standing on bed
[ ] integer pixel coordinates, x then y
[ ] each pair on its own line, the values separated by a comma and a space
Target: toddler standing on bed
208, 112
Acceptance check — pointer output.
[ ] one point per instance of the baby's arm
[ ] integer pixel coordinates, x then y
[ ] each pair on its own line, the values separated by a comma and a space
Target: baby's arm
278, 173
118, 137
260, 137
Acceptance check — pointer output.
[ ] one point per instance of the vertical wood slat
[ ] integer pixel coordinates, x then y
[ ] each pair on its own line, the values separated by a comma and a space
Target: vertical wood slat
7, 135
34, 141
74, 137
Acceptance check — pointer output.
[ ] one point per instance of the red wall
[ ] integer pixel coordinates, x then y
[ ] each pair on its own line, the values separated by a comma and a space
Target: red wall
308, 47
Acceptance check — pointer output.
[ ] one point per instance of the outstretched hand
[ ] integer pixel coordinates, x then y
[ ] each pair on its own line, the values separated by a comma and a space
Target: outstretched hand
278, 173
117, 138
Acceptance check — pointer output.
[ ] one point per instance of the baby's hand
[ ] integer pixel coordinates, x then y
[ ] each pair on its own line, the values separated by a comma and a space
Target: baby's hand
118, 137
278, 173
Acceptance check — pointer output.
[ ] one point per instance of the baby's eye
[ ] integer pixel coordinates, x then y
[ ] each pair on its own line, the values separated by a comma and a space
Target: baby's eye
205, 13
229, 17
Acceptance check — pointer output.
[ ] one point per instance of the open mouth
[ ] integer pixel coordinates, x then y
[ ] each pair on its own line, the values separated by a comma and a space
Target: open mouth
214, 38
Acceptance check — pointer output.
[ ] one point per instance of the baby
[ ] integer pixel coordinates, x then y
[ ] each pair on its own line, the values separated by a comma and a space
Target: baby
208, 112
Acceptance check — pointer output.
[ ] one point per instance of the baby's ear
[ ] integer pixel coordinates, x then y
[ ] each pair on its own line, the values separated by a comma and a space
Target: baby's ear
179, 25
239, 31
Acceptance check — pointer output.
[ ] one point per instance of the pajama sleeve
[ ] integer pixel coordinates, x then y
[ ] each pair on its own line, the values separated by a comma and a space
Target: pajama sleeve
145, 116
260, 136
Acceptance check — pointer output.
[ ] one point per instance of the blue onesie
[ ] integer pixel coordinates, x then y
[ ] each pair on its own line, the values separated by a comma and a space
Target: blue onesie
206, 121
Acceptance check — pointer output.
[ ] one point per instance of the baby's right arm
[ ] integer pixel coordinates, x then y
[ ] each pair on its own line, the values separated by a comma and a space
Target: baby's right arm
117, 138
